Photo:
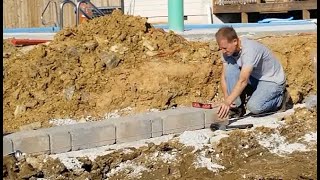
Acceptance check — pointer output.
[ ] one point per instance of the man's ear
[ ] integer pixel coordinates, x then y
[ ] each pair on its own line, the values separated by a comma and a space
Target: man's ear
235, 41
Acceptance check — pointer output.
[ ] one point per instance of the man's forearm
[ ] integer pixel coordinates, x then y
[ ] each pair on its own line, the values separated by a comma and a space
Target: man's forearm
223, 83
224, 87
237, 90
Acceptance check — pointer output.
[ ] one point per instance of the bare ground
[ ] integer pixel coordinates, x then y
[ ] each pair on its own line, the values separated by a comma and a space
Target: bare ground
241, 155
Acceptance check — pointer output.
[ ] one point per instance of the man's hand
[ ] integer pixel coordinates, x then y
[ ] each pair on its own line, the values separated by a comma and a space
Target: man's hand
224, 109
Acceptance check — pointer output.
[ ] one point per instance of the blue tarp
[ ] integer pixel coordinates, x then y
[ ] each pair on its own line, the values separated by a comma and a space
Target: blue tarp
32, 30
236, 25
278, 20
268, 20
264, 22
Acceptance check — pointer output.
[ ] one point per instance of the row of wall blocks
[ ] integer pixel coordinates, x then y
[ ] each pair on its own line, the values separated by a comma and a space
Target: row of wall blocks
60, 139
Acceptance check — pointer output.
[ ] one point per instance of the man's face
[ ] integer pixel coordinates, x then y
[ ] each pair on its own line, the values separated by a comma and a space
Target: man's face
227, 48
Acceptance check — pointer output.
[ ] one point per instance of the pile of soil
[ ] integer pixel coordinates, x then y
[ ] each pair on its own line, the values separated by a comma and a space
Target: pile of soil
240, 154
119, 61
9, 49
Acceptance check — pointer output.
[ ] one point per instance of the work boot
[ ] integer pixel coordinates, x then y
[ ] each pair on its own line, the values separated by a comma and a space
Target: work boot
287, 102
237, 112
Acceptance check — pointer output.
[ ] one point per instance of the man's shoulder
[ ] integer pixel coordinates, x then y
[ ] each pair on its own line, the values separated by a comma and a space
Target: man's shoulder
251, 45
249, 42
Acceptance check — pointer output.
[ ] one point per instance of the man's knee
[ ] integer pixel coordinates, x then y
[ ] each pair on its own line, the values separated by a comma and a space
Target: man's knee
254, 107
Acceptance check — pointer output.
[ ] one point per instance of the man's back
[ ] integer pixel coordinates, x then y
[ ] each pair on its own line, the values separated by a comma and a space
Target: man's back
265, 65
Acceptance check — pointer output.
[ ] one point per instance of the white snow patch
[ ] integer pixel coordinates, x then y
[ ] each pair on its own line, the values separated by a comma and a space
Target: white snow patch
154, 110
127, 151
205, 162
197, 139
60, 122
112, 115
271, 121
117, 113
167, 158
133, 170
218, 135
70, 161
310, 137
277, 144
68, 121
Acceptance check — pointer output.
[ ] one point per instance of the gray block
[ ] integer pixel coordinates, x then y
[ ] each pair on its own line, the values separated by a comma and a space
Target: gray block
7, 146
91, 135
211, 116
156, 127
32, 142
60, 138
182, 119
133, 128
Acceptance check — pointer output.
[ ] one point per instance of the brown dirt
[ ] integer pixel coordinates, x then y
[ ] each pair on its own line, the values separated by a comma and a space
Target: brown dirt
9, 49
240, 154
299, 124
120, 61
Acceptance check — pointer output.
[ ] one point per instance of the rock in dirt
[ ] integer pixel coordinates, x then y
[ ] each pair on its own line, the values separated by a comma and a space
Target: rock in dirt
109, 59
91, 45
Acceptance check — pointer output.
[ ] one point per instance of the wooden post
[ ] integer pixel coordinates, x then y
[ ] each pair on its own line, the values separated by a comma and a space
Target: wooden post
244, 17
305, 14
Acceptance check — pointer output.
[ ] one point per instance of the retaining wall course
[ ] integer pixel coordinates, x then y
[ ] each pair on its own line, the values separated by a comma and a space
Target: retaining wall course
157, 127
33, 142
135, 127
60, 138
7, 146
182, 119
92, 134
211, 116
74, 137
156, 122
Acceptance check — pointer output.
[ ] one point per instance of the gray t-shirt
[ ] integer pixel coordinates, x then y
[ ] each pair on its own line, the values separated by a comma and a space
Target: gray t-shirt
265, 65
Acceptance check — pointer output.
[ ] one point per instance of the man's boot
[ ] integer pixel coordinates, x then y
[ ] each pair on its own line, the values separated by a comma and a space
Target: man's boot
237, 111
287, 102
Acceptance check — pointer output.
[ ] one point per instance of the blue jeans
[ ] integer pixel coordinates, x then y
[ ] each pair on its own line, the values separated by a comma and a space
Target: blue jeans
265, 96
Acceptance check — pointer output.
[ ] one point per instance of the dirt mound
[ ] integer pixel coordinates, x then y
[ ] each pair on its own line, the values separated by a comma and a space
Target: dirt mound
119, 61
106, 64
9, 49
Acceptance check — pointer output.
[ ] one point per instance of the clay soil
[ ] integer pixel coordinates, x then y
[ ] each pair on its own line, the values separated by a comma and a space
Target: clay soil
240, 154
119, 61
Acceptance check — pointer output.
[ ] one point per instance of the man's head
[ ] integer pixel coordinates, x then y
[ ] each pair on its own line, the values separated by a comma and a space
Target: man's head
227, 40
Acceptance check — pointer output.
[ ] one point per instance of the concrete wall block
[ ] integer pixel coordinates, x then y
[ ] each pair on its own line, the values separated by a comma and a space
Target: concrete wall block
182, 119
60, 142
60, 138
91, 135
7, 146
33, 142
157, 127
211, 116
133, 128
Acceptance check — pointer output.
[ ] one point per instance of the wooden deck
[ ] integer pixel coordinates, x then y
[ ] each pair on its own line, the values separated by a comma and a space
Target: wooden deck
224, 6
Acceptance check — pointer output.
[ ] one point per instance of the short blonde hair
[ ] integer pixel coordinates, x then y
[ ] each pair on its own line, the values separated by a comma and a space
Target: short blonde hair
226, 32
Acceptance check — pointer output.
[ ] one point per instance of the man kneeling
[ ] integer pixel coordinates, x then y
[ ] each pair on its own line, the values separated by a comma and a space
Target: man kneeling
250, 72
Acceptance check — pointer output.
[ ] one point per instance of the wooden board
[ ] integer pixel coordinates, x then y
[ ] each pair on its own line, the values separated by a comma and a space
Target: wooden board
266, 7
